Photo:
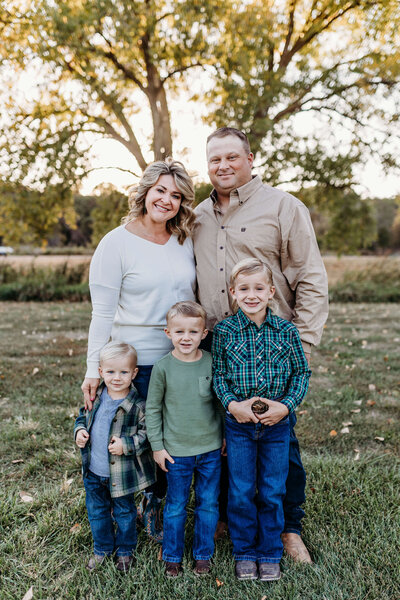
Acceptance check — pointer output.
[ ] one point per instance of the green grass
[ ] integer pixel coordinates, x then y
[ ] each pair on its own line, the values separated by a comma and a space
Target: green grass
352, 523
377, 283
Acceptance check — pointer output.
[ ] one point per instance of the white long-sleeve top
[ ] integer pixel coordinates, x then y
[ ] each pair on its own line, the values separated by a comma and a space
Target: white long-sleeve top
133, 283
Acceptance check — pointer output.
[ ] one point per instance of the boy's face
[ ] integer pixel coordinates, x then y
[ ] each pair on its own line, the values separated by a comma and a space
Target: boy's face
252, 293
186, 334
117, 374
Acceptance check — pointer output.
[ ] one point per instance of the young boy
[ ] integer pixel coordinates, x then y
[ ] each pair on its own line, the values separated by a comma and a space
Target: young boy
116, 457
184, 429
260, 375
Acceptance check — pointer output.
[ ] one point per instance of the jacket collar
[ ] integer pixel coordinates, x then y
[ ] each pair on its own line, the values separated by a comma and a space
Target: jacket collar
128, 402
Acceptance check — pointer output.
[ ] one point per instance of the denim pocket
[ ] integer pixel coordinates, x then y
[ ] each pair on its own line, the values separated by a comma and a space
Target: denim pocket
205, 386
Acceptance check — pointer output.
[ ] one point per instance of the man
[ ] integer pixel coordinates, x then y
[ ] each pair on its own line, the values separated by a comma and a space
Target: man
245, 218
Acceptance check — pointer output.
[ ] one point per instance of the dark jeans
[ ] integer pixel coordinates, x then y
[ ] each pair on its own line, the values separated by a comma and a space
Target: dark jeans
104, 511
159, 488
206, 470
295, 483
258, 466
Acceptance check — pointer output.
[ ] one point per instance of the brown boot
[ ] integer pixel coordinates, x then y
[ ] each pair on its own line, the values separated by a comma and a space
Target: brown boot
294, 547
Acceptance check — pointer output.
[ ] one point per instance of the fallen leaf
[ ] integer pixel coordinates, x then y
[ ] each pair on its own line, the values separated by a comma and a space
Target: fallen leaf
333, 433
380, 439
372, 387
371, 402
356, 410
70, 352
75, 528
18, 460
66, 484
358, 402
264, 598
302, 412
25, 497
159, 555
35, 370
29, 594
347, 423
60, 374
345, 430
219, 583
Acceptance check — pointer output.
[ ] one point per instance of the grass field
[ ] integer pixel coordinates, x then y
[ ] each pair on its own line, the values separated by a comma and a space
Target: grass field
350, 437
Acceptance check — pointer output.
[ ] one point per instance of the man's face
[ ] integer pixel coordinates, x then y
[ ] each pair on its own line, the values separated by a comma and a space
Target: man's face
229, 165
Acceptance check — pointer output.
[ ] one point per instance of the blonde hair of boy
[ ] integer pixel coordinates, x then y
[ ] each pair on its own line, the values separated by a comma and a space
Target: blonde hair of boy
249, 266
187, 308
116, 349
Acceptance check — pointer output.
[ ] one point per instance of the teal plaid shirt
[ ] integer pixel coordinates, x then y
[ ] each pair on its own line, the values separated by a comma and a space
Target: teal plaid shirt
268, 361
134, 470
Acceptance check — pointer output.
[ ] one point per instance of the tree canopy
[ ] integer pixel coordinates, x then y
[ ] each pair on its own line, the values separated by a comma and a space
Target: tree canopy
94, 68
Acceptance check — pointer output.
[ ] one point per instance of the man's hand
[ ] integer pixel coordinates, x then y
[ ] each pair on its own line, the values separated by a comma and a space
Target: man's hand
242, 411
89, 388
275, 413
81, 438
160, 456
115, 446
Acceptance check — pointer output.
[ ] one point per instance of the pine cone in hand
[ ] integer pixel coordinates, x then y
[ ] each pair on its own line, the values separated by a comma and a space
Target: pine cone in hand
258, 407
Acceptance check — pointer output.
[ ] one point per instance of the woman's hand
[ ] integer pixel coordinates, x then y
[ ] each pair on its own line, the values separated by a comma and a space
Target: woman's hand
89, 389
275, 413
242, 411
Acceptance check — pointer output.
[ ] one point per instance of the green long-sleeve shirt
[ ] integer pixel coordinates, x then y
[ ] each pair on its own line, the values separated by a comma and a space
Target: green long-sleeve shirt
182, 414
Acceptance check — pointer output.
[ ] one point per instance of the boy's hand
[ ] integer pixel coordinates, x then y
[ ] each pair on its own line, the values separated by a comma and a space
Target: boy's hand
89, 389
81, 438
275, 413
160, 456
115, 446
242, 411
223, 448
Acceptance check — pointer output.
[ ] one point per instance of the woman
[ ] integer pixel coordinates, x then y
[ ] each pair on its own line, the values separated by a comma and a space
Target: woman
138, 271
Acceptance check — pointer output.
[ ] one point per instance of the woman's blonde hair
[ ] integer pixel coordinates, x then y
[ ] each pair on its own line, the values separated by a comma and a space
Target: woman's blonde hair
183, 223
248, 266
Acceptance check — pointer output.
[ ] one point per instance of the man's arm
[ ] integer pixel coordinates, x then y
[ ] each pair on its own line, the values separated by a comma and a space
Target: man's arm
305, 272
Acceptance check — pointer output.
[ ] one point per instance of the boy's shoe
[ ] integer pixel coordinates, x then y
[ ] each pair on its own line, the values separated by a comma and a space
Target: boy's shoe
269, 572
149, 516
95, 561
172, 569
124, 563
202, 567
246, 570
295, 547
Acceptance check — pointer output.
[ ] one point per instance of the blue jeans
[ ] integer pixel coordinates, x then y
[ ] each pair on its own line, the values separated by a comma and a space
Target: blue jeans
104, 511
207, 470
258, 463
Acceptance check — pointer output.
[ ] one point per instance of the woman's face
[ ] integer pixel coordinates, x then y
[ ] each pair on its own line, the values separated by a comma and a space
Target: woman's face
163, 200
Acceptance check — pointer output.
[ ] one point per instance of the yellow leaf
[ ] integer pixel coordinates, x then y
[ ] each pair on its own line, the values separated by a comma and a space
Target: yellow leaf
333, 433
219, 583
371, 402
35, 370
18, 460
75, 528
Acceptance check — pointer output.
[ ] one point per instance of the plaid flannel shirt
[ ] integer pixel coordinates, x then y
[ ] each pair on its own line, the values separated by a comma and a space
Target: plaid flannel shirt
268, 361
135, 469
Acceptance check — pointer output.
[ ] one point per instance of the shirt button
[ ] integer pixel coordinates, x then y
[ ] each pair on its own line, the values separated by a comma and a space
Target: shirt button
115, 420
226, 314
223, 291
221, 268
222, 227
113, 484
221, 247
113, 462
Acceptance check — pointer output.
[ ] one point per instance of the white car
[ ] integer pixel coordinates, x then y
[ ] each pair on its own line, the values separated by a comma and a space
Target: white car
4, 250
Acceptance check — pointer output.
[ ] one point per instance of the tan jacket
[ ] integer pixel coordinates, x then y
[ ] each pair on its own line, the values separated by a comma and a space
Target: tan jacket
271, 225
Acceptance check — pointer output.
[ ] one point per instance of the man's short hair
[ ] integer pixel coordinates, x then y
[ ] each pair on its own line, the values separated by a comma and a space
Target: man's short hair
117, 349
225, 131
187, 308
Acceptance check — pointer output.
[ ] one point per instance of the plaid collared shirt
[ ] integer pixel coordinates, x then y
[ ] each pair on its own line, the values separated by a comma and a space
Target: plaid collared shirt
134, 470
268, 361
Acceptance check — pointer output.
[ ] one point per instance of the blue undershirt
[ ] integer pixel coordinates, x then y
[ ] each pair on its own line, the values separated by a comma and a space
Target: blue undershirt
99, 434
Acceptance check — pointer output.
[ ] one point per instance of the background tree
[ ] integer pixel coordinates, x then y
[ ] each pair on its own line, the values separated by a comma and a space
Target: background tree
111, 206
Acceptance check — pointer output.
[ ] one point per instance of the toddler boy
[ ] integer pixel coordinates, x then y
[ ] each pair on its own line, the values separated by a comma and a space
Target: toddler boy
116, 457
